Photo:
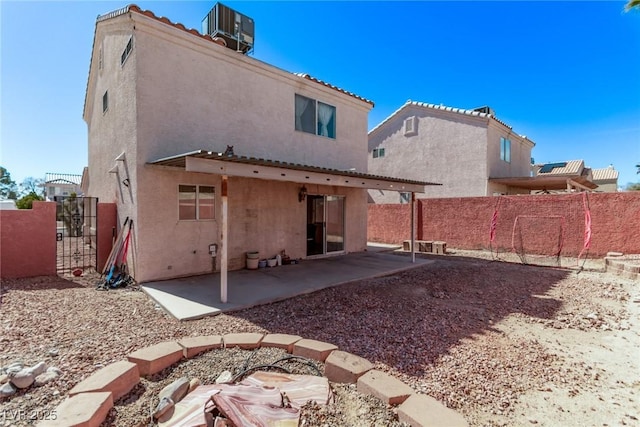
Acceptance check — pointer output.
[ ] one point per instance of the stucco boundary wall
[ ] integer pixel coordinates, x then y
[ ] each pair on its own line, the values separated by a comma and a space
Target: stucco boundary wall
28, 241
465, 223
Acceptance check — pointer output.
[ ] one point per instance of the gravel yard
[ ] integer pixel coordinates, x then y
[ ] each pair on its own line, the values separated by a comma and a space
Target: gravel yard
504, 344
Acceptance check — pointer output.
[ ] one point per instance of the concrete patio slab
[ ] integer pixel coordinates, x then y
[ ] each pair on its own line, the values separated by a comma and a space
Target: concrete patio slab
199, 296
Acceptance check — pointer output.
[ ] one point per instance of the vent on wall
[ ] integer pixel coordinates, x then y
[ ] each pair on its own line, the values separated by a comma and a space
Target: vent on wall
411, 126
236, 29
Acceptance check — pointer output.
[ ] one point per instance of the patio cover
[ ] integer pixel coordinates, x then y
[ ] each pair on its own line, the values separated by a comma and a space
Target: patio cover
251, 167
557, 182
227, 165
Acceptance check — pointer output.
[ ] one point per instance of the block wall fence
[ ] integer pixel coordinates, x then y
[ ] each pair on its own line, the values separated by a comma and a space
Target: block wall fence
28, 239
541, 224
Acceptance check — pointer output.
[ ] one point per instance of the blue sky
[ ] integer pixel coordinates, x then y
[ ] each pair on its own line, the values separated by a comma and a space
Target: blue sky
566, 74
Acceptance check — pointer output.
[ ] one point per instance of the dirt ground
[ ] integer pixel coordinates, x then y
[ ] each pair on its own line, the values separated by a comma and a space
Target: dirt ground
504, 344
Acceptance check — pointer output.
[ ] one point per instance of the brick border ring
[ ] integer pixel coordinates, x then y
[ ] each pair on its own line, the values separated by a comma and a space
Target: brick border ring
90, 400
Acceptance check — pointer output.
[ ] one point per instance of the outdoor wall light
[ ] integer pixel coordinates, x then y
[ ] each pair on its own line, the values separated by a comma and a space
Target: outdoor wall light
302, 194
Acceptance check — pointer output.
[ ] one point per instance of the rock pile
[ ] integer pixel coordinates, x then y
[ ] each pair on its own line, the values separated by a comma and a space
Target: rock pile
18, 376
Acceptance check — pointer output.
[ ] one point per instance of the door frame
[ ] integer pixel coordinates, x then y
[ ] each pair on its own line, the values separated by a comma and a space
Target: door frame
324, 197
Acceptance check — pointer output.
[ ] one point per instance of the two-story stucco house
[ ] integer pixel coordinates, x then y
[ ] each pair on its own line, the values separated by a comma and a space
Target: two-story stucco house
213, 153
464, 150
61, 185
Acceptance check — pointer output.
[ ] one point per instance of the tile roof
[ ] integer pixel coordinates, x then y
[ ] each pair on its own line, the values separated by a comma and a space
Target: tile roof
572, 167
464, 111
62, 178
604, 174
313, 79
137, 9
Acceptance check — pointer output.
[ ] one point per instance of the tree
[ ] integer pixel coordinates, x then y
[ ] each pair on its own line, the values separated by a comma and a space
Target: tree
638, 167
32, 185
633, 187
26, 202
632, 4
8, 187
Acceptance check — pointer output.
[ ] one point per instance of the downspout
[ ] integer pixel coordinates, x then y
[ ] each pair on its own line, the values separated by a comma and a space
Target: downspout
223, 241
413, 231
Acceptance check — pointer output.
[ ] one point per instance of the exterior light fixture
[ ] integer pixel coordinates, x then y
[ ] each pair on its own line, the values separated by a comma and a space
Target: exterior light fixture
302, 194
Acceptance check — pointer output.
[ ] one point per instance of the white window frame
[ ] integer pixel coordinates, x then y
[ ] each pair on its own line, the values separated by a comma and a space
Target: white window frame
197, 200
126, 52
378, 152
315, 128
105, 102
505, 149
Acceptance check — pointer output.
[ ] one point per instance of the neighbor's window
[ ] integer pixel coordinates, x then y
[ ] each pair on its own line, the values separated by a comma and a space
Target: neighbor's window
405, 197
127, 51
378, 152
105, 101
505, 149
196, 202
315, 117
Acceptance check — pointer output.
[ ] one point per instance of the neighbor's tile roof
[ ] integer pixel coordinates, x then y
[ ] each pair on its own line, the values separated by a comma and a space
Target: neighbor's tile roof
135, 8
572, 167
604, 174
62, 178
409, 102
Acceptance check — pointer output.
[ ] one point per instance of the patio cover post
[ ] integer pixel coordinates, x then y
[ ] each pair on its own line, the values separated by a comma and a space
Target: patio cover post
413, 222
223, 241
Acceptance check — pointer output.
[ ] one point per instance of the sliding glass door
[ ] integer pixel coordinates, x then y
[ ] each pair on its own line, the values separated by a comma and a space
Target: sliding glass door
325, 224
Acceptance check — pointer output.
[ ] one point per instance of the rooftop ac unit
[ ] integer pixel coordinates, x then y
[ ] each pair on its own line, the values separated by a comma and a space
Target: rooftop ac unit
236, 29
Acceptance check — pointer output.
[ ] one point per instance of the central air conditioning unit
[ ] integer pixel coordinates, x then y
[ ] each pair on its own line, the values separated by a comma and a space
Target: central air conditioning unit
236, 29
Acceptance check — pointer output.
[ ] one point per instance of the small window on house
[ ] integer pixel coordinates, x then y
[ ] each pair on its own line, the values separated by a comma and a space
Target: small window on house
505, 149
378, 152
196, 202
105, 101
405, 197
315, 117
411, 126
127, 51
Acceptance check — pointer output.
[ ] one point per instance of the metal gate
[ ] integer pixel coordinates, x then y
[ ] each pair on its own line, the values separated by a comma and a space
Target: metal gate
76, 236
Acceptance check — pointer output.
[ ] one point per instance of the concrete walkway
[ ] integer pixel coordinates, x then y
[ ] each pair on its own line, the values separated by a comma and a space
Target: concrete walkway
199, 296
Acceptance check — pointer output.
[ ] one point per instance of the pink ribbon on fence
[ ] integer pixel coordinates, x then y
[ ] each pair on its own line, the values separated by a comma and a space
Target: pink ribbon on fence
494, 224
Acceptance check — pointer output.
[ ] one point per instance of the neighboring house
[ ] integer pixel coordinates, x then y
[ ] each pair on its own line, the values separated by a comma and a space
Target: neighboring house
214, 154
562, 177
61, 184
464, 150
606, 179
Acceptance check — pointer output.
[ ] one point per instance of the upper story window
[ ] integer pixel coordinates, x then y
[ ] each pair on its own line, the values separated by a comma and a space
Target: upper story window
378, 152
315, 117
105, 101
127, 51
505, 149
196, 202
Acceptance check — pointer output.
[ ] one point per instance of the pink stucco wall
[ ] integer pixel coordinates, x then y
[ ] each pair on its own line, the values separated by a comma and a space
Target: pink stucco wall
464, 223
28, 241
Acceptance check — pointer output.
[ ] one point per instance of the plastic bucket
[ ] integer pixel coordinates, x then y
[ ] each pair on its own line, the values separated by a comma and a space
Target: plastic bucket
252, 263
